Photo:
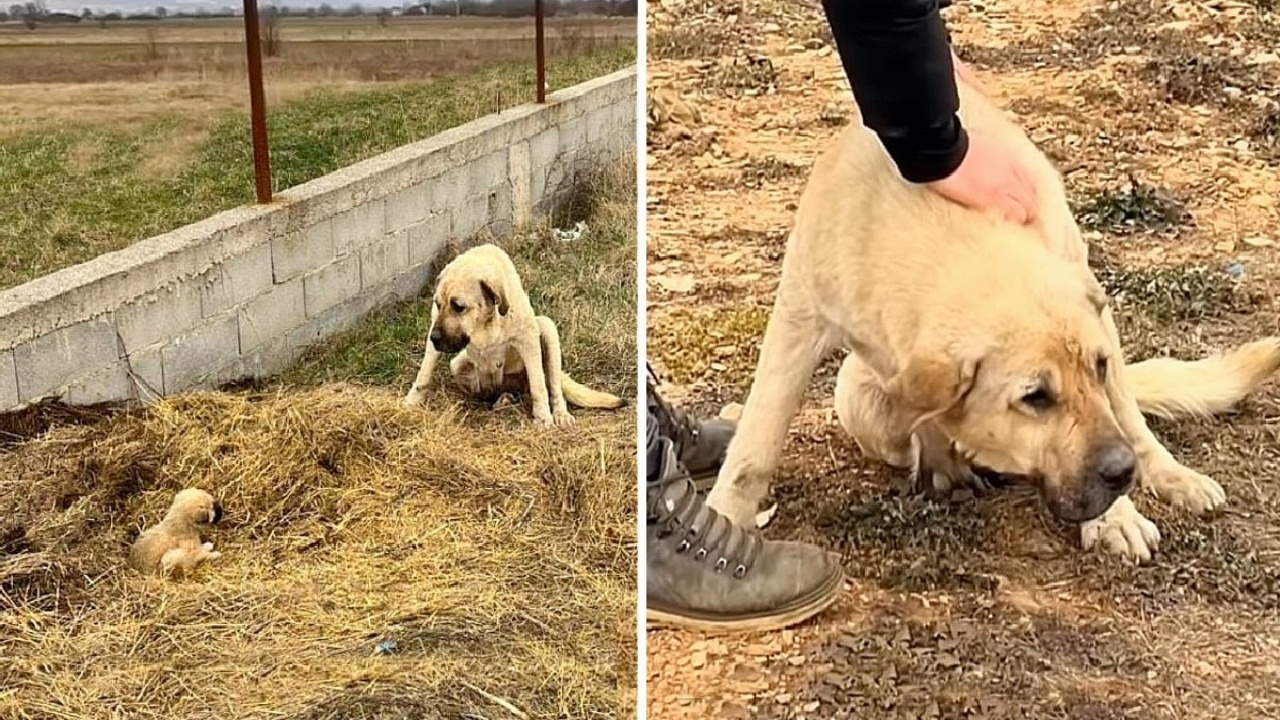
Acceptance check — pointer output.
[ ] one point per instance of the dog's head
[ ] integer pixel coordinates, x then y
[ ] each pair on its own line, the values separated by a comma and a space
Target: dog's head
195, 506
466, 306
1026, 395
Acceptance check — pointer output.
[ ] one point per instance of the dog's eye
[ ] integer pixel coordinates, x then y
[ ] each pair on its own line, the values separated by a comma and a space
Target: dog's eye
1102, 369
458, 307
1038, 399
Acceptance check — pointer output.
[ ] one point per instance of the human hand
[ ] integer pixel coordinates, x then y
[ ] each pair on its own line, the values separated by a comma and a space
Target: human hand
990, 178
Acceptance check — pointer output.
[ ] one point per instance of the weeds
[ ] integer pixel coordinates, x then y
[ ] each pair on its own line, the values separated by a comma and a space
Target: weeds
745, 77
1137, 207
764, 171
1175, 294
683, 44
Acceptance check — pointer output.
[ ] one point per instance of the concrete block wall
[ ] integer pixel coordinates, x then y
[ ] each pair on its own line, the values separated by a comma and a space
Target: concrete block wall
243, 293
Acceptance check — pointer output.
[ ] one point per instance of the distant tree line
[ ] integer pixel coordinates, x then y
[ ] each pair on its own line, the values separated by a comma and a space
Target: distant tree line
36, 12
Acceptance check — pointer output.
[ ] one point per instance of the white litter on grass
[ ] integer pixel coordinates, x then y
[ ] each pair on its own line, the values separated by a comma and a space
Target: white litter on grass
572, 234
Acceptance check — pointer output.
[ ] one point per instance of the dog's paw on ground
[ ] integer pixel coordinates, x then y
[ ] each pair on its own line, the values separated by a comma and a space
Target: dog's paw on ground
1122, 530
1185, 488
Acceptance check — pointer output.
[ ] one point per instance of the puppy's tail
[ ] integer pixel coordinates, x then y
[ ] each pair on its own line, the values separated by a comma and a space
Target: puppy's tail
1170, 388
584, 397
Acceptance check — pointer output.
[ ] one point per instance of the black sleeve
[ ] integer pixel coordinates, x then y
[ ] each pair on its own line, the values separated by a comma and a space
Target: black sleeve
897, 57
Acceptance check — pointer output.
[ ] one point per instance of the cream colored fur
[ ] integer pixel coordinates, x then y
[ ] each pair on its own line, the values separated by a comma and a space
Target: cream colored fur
172, 548
948, 312
481, 311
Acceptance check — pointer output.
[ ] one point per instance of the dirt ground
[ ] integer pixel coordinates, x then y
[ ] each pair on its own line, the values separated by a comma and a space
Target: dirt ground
1164, 118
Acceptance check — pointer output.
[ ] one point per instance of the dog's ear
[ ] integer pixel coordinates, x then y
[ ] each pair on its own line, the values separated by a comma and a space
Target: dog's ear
496, 298
929, 386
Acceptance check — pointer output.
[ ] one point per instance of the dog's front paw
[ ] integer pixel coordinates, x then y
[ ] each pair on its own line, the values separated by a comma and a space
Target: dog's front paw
937, 468
415, 398
213, 555
542, 419
1123, 531
208, 547
737, 508
562, 418
1183, 487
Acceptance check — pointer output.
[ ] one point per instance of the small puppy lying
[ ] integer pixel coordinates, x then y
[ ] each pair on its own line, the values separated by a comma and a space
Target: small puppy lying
483, 313
173, 548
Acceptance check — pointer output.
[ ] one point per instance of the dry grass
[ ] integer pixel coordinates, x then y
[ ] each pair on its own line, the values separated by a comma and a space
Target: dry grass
357, 49
498, 559
129, 74
310, 29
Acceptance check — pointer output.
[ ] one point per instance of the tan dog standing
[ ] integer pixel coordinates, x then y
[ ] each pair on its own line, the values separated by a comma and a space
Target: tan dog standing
974, 343
482, 312
173, 548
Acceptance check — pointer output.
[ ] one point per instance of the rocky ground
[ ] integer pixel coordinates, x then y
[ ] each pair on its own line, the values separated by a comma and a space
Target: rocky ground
1165, 119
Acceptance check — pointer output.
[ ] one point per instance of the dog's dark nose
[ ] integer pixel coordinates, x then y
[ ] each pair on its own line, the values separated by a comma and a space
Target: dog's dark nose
1116, 466
435, 337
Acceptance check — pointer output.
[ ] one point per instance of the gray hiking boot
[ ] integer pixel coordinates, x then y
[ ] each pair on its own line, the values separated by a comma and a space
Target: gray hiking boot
700, 443
708, 574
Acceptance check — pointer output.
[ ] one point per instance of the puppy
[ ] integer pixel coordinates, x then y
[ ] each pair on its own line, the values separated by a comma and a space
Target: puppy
173, 548
482, 312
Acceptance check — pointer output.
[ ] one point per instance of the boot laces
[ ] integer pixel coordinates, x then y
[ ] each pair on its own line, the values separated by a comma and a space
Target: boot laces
680, 512
673, 423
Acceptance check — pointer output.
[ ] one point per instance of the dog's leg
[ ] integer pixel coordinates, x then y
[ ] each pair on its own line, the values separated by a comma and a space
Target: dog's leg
530, 351
795, 341
173, 562
180, 561
865, 412
552, 355
418, 392
208, 553
1158, 470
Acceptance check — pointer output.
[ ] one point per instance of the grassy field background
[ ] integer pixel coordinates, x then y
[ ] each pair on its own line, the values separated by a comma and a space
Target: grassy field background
110, 135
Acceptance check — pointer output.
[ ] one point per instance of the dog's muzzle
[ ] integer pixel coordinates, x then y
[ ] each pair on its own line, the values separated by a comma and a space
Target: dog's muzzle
1111, 475
448, 345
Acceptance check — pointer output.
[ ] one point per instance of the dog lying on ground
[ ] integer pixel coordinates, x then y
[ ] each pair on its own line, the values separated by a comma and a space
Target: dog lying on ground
172, 548
974, 343
482, 312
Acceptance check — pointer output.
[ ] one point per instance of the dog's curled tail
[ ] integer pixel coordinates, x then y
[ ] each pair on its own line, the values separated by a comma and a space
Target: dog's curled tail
1168, 388
582, 396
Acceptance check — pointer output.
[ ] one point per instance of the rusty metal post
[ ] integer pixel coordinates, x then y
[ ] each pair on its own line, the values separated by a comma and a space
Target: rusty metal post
539, 50
257, 103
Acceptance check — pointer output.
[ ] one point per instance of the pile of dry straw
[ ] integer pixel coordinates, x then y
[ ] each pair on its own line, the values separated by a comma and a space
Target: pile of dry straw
378, 562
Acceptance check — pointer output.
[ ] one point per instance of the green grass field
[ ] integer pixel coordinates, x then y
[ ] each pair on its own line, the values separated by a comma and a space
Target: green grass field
81, 190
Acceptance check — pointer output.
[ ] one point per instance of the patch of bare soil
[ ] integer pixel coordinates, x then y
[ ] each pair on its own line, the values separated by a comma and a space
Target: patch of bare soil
1162, 117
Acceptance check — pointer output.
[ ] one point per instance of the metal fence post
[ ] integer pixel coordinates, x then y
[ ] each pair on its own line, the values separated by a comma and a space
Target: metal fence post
539, 50
257, 103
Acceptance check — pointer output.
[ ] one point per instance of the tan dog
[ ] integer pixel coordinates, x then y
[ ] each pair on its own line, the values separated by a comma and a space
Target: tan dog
482, 312
975, 343
173, 548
